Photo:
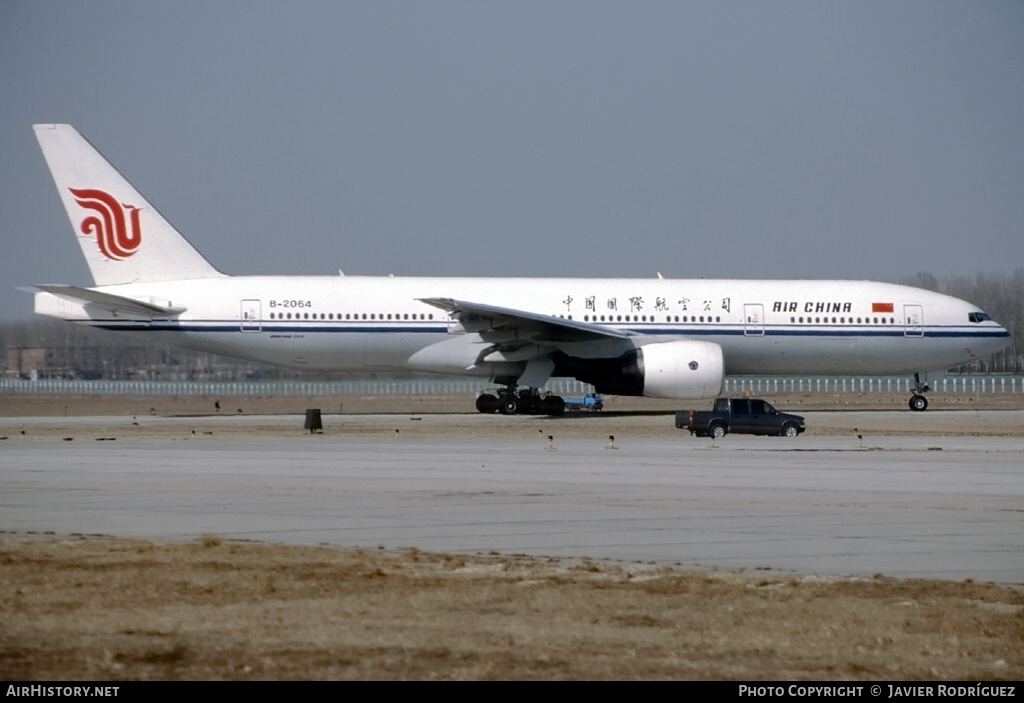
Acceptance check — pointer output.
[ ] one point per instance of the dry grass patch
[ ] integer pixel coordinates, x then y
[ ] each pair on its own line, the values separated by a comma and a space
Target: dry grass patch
94, 608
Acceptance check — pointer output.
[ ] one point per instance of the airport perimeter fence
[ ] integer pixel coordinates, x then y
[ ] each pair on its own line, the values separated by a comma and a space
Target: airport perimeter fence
734, 385
363, 387
980, 384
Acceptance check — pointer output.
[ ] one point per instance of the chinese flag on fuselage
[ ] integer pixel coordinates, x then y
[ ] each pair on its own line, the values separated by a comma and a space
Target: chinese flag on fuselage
881, 307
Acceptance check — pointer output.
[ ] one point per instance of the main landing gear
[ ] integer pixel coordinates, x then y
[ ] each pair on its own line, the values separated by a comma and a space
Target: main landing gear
528, 401
918, 402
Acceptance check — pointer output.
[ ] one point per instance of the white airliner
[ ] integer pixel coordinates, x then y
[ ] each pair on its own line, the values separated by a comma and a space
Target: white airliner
655, 337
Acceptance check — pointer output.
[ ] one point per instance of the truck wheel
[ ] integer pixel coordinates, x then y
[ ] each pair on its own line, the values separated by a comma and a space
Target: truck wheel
717, 431
790, 430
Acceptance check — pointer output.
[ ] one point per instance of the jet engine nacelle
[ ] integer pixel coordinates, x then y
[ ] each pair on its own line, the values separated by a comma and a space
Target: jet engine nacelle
683, 369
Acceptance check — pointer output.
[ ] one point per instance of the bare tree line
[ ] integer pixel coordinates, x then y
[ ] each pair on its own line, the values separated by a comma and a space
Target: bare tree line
70, 350
65, 350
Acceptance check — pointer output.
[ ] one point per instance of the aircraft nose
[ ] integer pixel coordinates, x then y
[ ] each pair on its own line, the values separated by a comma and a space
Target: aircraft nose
999, 339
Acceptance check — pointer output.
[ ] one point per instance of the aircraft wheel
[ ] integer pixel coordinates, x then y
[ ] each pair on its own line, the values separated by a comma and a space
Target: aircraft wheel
487, 403
508, 406
918, 403
553, 405
531, 406
717, 431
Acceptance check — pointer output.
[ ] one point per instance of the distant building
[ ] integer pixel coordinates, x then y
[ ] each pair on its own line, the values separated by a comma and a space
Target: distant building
136, 362
55, 362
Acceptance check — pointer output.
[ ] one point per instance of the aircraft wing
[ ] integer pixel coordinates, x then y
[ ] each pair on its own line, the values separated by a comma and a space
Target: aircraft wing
116, 304
478, 317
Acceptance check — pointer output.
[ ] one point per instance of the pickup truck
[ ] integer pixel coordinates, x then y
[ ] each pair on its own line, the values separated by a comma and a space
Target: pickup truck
742, 416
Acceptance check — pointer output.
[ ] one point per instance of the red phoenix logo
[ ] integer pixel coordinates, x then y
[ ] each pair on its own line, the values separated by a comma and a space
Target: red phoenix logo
109, 224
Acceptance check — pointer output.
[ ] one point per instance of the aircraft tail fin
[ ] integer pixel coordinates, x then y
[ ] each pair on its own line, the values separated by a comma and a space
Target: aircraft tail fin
123, 237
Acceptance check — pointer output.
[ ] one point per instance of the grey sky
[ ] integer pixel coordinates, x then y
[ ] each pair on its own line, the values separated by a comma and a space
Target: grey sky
698, 139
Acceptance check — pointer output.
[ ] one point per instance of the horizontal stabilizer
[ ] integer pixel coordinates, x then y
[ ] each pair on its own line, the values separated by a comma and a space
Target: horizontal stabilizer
108, 301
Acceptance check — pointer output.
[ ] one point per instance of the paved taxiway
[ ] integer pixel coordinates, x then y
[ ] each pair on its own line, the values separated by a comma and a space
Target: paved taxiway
936, 507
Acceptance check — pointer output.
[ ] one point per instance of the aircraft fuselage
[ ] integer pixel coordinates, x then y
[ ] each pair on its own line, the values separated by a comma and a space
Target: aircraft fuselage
362, 323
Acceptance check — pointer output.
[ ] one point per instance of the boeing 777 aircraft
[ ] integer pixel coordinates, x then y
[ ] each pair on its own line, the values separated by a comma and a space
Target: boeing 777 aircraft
660, 338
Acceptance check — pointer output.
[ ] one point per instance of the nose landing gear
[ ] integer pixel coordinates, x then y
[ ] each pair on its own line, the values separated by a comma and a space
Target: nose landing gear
918, 403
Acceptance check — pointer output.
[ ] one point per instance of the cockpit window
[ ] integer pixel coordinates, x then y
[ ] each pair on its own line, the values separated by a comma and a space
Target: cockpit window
978, 316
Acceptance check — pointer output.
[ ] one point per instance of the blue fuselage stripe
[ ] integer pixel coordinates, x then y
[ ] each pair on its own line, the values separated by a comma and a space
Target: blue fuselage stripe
660, 330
